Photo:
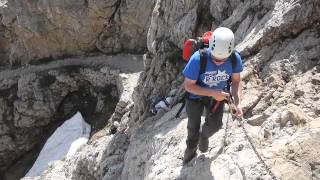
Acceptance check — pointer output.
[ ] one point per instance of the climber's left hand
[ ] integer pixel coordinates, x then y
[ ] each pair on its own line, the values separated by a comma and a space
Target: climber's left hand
239, 112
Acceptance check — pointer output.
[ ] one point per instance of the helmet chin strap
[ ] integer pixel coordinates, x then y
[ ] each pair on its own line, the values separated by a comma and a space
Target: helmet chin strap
218, 60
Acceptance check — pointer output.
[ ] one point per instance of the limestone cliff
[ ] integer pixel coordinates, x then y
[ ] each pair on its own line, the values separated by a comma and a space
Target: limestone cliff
43, 29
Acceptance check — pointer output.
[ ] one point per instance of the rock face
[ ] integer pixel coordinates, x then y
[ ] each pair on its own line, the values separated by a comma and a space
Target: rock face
279, 41
42, 29
33, 104
103, 157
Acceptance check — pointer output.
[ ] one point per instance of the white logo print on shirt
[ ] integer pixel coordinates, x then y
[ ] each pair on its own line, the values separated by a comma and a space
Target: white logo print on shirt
213, 78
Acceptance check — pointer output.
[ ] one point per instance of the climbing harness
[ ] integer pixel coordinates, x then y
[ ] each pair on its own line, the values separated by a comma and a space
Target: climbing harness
241, 123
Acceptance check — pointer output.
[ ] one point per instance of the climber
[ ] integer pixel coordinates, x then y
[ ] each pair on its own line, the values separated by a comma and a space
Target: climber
207, 89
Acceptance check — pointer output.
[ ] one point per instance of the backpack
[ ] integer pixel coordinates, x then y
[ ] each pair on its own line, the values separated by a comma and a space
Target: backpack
192, 45
200, 44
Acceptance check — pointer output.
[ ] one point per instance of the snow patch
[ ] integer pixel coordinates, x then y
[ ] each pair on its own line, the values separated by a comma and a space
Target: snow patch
63, 143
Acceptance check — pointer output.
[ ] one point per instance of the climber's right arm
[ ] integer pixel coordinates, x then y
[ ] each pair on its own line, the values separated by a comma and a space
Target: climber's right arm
192, 87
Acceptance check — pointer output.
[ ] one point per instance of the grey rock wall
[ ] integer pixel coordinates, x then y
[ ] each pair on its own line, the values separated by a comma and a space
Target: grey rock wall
33, 104
279, 41
42, 29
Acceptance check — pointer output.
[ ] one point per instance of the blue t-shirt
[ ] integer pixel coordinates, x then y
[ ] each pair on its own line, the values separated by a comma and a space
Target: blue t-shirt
215, 77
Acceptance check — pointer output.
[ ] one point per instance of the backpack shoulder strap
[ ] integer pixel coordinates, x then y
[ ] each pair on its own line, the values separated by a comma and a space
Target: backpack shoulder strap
234, 59
234, 65
203, 64
203, 61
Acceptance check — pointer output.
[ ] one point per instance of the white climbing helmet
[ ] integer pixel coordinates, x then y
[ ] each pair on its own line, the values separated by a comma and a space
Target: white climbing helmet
221, 43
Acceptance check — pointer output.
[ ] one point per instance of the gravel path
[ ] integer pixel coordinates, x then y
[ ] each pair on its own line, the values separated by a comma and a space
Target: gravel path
124, 62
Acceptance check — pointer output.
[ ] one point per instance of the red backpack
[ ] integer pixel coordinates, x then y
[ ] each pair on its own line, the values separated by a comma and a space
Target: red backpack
192, 45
